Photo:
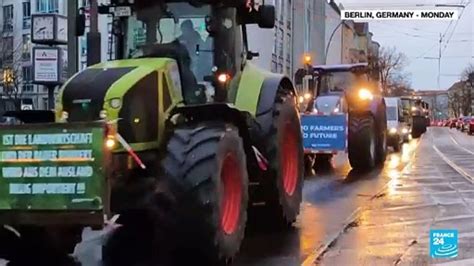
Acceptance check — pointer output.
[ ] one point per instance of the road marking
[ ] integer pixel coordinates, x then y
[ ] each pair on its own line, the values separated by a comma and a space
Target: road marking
459, 145
461, 171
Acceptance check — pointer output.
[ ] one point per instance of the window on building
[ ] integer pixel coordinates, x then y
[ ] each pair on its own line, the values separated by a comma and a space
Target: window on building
288, 14
83, 45
8, 18
27, 74
7, 46
274, 66
45, 103
26, 49
280, 68
277, 8
281, 38
47, 6
26, 14
27, 78
282, 10
84, 3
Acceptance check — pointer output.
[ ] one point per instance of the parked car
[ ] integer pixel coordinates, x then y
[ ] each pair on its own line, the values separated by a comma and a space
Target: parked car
465, 123
470, 128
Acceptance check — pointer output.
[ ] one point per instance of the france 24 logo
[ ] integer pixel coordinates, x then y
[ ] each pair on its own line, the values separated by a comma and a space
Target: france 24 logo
443, 243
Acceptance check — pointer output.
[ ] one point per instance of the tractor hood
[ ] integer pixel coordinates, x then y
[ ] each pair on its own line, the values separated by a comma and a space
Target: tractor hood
103, 86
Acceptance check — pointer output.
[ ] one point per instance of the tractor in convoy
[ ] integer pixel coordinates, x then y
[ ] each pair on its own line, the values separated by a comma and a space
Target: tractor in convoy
175, 141
346, 112
417, 112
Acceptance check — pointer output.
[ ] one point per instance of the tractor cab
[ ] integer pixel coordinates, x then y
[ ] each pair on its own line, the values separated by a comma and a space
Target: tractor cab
352, 81
207, 38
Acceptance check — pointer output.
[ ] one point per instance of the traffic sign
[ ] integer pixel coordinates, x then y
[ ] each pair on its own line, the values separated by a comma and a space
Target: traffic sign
47, 65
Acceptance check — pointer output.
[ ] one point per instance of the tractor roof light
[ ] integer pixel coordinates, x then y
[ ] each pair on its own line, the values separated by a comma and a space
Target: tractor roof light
307, 59
365, 94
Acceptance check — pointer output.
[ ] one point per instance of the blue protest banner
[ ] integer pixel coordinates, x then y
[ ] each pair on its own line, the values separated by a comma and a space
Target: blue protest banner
324, 132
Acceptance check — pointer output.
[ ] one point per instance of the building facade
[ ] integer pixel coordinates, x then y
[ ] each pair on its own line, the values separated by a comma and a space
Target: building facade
274, 45
16, 48
333, 33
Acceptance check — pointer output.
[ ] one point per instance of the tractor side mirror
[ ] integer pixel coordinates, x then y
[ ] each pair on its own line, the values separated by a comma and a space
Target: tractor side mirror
266, 17
80, 24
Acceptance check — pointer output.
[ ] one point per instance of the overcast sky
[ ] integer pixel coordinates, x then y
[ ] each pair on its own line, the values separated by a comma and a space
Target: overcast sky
419, 39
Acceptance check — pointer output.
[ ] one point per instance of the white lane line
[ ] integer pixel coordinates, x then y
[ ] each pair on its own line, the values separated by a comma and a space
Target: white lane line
459, 145
461, 171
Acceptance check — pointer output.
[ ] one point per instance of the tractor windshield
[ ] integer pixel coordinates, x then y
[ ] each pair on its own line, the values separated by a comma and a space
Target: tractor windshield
339, 81
174, 21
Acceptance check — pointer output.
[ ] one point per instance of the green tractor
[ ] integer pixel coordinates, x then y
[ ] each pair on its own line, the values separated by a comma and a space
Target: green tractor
206, 131
418, 114
350, 89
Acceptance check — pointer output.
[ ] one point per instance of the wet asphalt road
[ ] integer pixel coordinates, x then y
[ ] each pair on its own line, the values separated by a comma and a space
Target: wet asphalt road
378, 218
382, 217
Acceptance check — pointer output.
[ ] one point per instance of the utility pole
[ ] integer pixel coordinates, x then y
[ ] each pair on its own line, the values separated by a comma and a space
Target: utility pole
72, 66
439, 61
93, 36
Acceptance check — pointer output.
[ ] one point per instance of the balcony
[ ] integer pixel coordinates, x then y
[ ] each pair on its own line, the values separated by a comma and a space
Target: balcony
288, 24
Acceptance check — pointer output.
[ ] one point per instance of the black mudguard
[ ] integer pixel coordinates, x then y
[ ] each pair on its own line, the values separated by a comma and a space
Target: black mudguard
266, 102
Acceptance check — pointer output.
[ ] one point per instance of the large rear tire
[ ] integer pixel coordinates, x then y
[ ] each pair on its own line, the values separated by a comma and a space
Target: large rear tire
208, 163
362, 142
283, 182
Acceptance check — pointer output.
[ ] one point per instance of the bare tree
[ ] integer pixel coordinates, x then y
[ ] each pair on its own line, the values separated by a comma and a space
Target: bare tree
390, 65
469, 70
459, 97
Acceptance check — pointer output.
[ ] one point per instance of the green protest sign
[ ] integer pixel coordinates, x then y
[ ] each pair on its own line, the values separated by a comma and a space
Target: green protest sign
52, 167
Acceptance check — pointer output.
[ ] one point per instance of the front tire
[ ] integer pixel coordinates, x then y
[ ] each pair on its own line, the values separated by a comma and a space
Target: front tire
362, 142
283, 182
208, 163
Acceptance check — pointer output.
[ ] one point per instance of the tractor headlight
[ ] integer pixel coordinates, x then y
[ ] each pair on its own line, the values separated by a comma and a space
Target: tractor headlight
64, 116
110, 142
307, 96
115, 103
393, 130
405, 130
301, 99
413, 109
365, 94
